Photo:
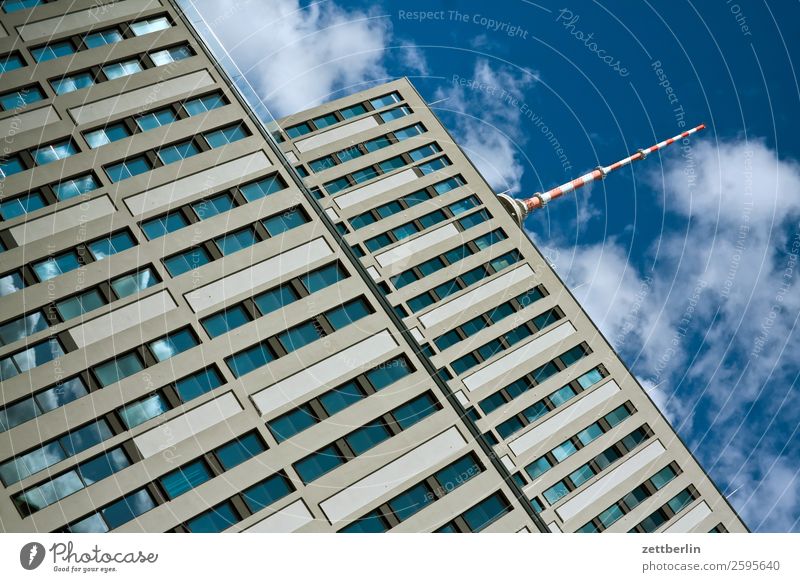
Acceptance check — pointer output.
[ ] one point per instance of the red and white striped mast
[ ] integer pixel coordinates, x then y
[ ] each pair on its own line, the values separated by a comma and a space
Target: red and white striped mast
519, 209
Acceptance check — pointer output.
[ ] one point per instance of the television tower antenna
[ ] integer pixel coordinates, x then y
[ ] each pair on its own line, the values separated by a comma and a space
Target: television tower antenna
519, 209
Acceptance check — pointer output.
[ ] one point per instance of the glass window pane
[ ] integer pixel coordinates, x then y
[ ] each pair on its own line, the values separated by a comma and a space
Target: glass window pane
177, 152
102, 38
11, 62
321, 278
347, 314
412, 412
187, 261
249, 359
128, 508
367, 437
283, 222
564, 450
72, 83
317, 464
198, 383
213, 206
214, 520
15, 414
410, 502
203, 104
225, 321
135, 414
117, 369
340, 398
123, 69
150, 25
291, 423
21, 328
173, 344
92, 524
21, 205
487, 511
556, 492
75, 187
130, 284
617, 415
267, 492
53, 152
101, 467
388, 373
236, 241
262, 188
590, 433
299, 336
457, 473
663, 477
170, 55
298, 130
581, 475
48, 493
186, 478
385, 100
240, 450
79, 440
52, 51
353, 111
156, 119
610, 515
80, 304
61, 394
11, 165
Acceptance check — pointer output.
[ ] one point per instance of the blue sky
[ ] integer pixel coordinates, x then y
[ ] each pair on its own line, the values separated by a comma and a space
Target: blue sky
688, 261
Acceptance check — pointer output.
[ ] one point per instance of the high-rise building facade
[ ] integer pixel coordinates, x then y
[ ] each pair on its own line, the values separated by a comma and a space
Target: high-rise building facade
188, 342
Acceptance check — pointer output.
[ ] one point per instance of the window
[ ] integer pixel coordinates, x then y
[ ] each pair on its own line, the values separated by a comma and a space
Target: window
248, 360
364, 175
136, 413
71, 83
322, 164
395, 113
127, 508
486, 512
373, 522
187, 261
11, 62
353, 111
102, 38
198, 384
161, 225
267, 492
55, 266
385, 100
317, 464
15, 5
556, 492
340, 398
225, 136
297, 130
225, 321
367, 436
22, 327
239, 450
538, 467
115, 370
337, 185
21, 205
177, 152
122, 69
325, 120
171, 55
156, 119
411, 131
10, 165
11, 283
128, 168
236, 241
415, 410
172, 344
275, 299
79, 304
20, 98
291, 423
290, 219
106, 135
262, 188
203, 104
151, 25
213, 206
321, 278
55, 151
52, 51
188, 477
299, 336
214, 520
111, 245
125, 285
348, 313
73, 187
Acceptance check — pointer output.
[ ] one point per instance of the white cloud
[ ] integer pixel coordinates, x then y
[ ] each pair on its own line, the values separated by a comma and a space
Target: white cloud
487, 120
712, 325
298, 57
